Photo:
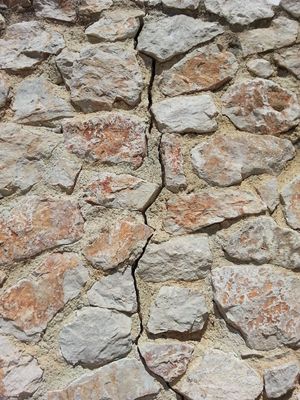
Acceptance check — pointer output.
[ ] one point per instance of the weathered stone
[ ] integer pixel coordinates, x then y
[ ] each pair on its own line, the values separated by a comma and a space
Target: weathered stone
20, 373
222, 376
168, 360
121, 191
26, 44
182, 4
280, 380
261, 240
27, 307
104, 74
34, 225
261, 302
64, 62
2, 22
125, 379
177, 309
4, 90
93, 8
291, 6
261, 106
96, 337
191, 212
16, 5
3, 278
268, 192
116, 292
56, 9
185, 258
291, 201
183, 114
282, 32
289, 59
119, 245
260, 67
165, 37
225, 160
206, 68
172, 161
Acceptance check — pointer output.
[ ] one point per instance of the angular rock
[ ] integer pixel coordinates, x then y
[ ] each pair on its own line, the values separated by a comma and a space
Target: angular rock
268, 192
56, 9
206, 68
2, 22
27, 307
121, 191
93, 8
166, 37
125, 379
172, 161
16, 5
261, 240
280, 380
282, 32
290, 196
177, 309
183, 114
119, 245
191, 212
261, 303
225, 160
115, 292
95, 337
261, 106
182, 4
222, 376
289, 59
3, 278
105, 74
34, 225
64, 62
167, 360
291, 6
26, 44
186, 258
4, 90
260, 67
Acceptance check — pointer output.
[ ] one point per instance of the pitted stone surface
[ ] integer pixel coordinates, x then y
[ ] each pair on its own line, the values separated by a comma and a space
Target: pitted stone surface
93, 8
291, 6
64, 62
56, 9
289, 59
260, 67
4, 90
281, 379
290, 196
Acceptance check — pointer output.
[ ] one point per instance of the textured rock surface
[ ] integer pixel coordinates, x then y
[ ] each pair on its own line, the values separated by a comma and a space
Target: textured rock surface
290, 196
289, 59
280, 380
182, 4
291, 6
56, 9
92, 8
4, 90
260, 67
268, 192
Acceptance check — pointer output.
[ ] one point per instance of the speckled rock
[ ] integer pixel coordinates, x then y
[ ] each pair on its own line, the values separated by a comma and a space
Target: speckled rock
268, 192
290, 196
260, 67
182, 4
64, 62
93, 8
281, 379
291, 6
289, 59
56, 9
4, 90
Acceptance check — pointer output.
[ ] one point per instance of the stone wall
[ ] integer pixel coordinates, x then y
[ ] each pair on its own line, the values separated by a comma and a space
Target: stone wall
150, 199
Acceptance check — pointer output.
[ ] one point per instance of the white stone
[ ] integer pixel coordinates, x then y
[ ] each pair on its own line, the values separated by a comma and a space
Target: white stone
281, 379
64, 62
268, 191
56, 9
260, 67
289, 59
4, 90
182, 4
93, 8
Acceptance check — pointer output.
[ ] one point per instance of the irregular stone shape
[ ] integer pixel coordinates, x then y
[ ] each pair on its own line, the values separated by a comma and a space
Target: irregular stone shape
27, 307
177, 309
291, 6
26, 44
93, 8
280, 380
64, 62
37, 103
261, 240
104, 74
121, 191
119, 245
63, 173
4, 90
165, 37
172, 161
260, 67
182, 4
125, 379
16, 4
34, 225
261, 302
289, 59
20, 373
222, 376
249, 12
291, 202
56, 9
116, 292
167, 360
3, 278
282, 32
191, 212
115, 25
2, 22
186, 258
225, 160
183, 114
261, 106
206, 68
268, 192
96, 337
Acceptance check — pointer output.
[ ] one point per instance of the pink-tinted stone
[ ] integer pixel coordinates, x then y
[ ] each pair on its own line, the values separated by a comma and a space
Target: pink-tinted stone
62, 10
291, 200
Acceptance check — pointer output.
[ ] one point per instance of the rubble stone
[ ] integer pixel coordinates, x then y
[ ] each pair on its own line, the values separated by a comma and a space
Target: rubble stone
260, 67
290, 196
56, 9
289, 59
280, 380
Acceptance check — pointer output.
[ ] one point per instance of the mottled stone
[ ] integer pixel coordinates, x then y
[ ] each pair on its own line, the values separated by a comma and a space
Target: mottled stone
3, 278
125, 379
16, 5
96, 337
168, 360
2, 22
166, 37
61, 10
118, 245
191, 212
222, 376
268, 192
111, 138
289, 59
34, 225
261, 106
261, 302
225, 160
182, 4
281, 379
93, 8
186, 258
291, 6
291, 202
260, 67
4, 90
64, 62
177, 309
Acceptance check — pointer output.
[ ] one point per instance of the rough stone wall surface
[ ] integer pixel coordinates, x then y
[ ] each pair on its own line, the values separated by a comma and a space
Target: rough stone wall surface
149, 199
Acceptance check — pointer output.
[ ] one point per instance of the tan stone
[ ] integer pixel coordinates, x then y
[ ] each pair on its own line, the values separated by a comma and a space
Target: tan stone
268, 192
92, 8
62, 10
291, 201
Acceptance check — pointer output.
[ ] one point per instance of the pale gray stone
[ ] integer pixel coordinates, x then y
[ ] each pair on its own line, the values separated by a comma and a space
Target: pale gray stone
289, 59
95, 337
93, 8
281, 379
2, 22
64, 62
56, 9
268, 192
4, 90
182, 4
291, 6
183, 114
165, 37
260, 67
291, 203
